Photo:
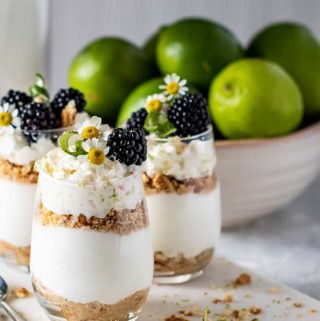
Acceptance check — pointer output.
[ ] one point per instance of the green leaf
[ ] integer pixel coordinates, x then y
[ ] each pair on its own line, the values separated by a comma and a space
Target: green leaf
64, 144
205, 314
39, 89
157, 123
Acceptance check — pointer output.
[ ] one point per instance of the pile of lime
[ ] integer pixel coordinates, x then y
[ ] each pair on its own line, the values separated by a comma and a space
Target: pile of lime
268, 89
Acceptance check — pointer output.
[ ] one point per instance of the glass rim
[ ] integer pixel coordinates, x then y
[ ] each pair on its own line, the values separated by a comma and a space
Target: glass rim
48, 131
91, 184
186, 138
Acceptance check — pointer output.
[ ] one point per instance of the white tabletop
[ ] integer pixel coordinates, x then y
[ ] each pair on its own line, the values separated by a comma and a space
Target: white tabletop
277, 302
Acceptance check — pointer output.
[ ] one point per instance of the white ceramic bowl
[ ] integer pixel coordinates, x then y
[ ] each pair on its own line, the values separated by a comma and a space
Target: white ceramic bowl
259, 176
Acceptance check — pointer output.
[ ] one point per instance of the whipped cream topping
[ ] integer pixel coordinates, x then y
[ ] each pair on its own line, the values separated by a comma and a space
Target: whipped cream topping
72, 185
78, 170
181, 160
15, 148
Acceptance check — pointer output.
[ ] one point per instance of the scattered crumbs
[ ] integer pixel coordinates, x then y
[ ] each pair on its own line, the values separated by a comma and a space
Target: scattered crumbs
22, 293
276, 301
185, 300
298, 305
195, 311
255, 310
217, 301
313, 310
300, 315
288, 299
247, 296
228, 298
273, 290
176, 317
205, 293
243, 279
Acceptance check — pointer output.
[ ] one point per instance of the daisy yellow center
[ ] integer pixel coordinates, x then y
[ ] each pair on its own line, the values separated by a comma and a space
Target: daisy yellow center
90, 132
173, 88
154, 104
5, 119
96, 156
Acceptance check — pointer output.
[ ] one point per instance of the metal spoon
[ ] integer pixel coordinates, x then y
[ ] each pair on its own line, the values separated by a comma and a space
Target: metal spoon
6, 307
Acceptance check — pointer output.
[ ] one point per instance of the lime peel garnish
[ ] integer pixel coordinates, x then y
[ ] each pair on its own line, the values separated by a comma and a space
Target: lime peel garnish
64, 144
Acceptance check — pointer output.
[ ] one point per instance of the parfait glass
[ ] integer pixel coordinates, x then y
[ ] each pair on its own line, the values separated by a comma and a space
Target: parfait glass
91, 256
183, 198
18, 181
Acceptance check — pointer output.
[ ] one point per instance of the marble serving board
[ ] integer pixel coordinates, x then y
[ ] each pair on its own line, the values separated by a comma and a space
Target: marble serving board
277, 302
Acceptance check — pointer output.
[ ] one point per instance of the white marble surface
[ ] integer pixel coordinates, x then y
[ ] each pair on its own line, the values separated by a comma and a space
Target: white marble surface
284, 246
277, 302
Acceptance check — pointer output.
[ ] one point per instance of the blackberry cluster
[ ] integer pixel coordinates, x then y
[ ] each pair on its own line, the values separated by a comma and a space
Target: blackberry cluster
35, 117
16, 98
137, 119
128, 146
64, 96
189, 114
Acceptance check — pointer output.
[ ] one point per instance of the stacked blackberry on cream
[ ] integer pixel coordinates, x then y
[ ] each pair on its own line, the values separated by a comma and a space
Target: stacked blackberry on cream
180, 181
91, 256
29, 127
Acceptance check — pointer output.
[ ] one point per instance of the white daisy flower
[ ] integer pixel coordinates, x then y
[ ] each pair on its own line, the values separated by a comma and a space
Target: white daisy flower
92, 128
9, 119
174, 86
96, 149
155, 102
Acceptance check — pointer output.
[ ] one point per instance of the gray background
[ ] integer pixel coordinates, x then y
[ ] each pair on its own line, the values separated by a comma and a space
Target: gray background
284, 246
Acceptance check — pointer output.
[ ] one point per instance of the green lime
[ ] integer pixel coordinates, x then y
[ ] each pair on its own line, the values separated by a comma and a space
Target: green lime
295, 48
255, 98
150, 47
137, 98
197, 50
106, 71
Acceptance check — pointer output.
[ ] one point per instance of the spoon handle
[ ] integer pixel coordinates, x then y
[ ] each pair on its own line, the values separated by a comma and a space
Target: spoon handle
11, 313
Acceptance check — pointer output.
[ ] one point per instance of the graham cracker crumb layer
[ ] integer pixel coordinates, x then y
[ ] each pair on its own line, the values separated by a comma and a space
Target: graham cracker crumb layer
21, 255
180, 264
161, 183
18, 173
95, 310
122, 222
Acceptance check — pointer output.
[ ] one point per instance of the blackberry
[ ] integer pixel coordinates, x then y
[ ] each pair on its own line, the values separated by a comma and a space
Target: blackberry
64, 96
16, 98
189, 114
137, 119
128, 146
36, 117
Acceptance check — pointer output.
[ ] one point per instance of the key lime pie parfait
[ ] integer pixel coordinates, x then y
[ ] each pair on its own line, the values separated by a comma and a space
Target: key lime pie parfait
29, 127
91, 254
180, 181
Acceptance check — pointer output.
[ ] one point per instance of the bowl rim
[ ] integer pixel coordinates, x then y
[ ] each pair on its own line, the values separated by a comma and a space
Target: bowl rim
306, 131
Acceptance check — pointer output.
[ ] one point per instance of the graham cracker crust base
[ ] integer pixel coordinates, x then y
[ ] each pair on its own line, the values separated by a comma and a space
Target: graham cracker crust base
95, 310
18, 173
181, 264
122, 222
20, 254
169, 184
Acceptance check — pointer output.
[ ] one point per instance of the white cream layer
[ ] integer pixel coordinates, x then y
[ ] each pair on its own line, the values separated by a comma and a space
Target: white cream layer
187, 224
16, 212
180, 160
91, 200
15, 148
85, 266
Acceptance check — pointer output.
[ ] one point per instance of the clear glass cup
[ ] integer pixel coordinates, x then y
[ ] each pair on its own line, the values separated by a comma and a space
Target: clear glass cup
18, 189
91, 253
183, 198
